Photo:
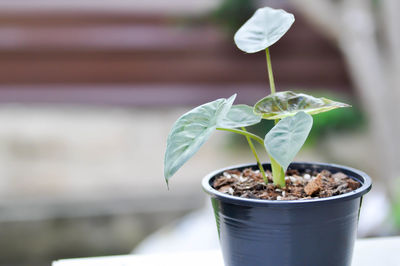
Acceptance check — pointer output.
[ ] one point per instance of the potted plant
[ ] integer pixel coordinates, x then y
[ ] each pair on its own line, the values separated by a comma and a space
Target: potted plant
277, 213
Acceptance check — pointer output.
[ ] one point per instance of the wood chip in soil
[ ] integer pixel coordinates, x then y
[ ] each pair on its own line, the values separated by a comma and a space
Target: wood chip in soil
299, 186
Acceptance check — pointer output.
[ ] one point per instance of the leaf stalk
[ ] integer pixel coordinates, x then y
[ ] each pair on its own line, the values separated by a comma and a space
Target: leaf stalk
253, 149
244, 133
278, 174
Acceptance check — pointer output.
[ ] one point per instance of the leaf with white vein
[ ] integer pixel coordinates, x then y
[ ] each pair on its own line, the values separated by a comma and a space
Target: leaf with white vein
190, 132
240, 115
263, 29
287, 103
287, 137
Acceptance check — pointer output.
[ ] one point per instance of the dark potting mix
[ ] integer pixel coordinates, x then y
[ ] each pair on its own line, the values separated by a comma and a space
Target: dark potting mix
299, 186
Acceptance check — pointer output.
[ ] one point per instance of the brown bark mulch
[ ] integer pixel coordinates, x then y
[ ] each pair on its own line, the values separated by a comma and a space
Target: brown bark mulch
299, 186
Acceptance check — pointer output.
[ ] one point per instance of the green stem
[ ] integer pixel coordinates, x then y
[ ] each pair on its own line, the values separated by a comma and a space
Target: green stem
270, 74
244, 133
278, 175
277, 171
253, 149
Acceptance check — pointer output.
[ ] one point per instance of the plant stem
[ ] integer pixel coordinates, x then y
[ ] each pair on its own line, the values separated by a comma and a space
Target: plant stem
278, 174
256, 156
270, 74
244, 133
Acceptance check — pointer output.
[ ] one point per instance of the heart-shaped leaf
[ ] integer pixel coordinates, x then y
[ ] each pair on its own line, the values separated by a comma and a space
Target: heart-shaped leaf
240, 115
287, 137
191, 130
288, 103
263, 29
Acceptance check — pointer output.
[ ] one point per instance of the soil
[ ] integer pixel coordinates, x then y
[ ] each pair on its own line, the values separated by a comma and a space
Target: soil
299, 186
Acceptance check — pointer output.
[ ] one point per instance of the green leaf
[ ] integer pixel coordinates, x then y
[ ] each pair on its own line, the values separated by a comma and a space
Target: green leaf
240, 115
287, 103
190, 132
287, 137
263, 29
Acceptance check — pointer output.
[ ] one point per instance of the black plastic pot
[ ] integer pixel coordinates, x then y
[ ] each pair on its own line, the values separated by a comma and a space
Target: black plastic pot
315, 232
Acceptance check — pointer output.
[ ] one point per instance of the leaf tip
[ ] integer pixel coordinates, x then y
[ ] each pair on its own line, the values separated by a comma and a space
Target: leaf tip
167, 182
263, 29
167, 176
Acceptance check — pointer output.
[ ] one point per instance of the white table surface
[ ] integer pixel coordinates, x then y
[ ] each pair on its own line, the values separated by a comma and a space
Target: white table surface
368, 252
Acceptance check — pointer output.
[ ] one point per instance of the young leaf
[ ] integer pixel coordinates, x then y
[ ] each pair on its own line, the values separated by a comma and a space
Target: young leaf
263, 29
286, 138
287, 103
191, 130
240, 115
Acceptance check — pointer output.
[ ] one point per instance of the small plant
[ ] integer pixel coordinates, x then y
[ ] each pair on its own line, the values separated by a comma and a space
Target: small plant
290, 111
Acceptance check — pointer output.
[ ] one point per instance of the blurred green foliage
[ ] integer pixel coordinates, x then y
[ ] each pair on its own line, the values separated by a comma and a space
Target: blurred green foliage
339, 120
396, 214
231, 14
344, 119
396, 207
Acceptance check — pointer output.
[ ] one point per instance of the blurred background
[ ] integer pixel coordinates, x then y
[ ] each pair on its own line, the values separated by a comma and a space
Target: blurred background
89, 90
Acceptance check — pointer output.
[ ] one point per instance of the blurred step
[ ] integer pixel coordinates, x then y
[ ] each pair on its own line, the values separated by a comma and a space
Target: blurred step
139, 48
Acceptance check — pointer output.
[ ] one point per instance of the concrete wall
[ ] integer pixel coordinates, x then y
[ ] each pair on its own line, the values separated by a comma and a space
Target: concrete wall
86, 181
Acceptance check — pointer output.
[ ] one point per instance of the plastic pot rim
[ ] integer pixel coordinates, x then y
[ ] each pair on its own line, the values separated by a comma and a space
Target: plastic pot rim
358, 175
